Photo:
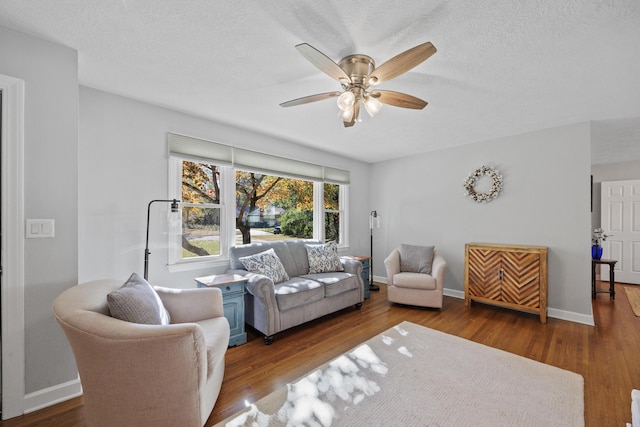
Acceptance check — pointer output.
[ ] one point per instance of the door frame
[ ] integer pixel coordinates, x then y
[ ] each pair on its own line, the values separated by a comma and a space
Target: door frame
12, 205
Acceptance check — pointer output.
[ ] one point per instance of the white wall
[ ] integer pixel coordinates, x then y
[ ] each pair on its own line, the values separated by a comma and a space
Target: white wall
123, 165
545, 201
50, 167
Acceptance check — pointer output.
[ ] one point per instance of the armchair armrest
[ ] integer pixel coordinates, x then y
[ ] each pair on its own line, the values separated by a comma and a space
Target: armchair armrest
392, 263
191, 305
437, 269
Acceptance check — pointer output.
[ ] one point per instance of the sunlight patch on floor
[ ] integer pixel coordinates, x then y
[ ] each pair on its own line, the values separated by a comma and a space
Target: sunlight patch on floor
347, 381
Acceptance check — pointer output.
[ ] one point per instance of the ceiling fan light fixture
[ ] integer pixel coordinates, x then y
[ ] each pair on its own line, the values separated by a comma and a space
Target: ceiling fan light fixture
346, 100
357, 74
372, 105
346, 114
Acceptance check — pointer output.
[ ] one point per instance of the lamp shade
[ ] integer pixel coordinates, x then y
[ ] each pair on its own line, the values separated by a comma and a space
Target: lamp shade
346, 114
374, 220
346, 100
372, 105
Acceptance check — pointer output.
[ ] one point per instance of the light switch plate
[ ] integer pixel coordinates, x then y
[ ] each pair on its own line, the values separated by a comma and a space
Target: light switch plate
40, 228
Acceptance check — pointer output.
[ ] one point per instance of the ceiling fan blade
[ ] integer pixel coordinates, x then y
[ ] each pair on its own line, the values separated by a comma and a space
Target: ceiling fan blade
323, 62
398, 99
354, 117
402, 63
310, 98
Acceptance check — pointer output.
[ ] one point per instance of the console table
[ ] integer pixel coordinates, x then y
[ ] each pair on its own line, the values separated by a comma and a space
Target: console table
365, 261
233, 290
594, 290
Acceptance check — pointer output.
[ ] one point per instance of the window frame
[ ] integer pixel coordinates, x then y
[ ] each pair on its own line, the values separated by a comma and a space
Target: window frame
175, 260
320, 212
177, 263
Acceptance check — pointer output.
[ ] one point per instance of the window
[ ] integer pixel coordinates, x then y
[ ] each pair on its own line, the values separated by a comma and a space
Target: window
332, 214
200, 233
201, 210
270, 207
233, 196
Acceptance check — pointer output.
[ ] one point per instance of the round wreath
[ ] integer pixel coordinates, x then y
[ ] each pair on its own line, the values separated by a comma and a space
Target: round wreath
496, 185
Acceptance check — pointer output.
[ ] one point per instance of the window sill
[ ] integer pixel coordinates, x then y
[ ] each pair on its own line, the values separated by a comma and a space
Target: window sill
198, 265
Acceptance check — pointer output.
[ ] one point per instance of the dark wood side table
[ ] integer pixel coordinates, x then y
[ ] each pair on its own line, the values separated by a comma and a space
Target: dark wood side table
364, 260
594, 290
233, 290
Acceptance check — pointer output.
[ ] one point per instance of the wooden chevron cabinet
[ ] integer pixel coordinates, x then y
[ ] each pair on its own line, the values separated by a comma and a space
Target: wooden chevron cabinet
512, 276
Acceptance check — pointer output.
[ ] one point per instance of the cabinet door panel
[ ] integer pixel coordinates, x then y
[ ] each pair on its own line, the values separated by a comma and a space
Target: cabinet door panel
484, 266
521, 278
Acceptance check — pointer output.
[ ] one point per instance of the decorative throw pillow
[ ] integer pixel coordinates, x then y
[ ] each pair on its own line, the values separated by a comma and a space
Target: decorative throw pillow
136, 301
266, 263
323, 258
416, 259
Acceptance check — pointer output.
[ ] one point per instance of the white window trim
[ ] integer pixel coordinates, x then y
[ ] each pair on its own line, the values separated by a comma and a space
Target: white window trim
228, 181
344, 215
319, 213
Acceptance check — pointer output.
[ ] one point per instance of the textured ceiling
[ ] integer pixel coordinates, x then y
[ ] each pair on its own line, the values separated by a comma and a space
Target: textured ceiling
502, 67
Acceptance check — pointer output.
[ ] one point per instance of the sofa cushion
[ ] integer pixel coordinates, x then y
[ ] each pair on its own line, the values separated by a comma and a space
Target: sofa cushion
266, 263
299, 258
136, 301
323, 258
335, 283
298, 291
416, 259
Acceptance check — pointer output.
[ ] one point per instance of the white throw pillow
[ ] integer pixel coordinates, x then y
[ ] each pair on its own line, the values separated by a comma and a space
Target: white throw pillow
136, 301
323, 258
266, 263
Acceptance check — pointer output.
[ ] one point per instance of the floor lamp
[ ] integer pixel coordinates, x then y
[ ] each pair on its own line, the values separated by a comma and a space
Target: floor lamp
374, 222
174, 208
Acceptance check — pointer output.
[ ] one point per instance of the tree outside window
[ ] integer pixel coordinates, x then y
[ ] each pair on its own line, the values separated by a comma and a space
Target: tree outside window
201, 209
272, 208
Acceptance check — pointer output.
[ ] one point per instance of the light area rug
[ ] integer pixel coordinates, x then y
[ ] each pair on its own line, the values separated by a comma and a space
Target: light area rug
633, 295
410, 375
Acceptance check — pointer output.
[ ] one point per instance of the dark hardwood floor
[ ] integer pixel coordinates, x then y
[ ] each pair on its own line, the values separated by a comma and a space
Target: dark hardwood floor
607, 355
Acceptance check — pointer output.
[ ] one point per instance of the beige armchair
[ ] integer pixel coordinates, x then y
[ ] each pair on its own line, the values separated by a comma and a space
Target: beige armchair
135, 374
415, 288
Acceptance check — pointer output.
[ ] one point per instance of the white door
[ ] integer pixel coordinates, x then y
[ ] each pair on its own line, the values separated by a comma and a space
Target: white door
620, 218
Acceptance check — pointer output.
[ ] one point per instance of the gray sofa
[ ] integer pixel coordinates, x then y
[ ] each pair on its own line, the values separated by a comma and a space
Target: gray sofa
273, 307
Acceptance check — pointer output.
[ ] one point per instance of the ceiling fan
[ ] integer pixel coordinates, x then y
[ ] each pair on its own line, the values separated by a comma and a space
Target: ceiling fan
358, 75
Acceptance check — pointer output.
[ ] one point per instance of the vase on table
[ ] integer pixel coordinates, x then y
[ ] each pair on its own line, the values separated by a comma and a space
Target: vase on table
596, 251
